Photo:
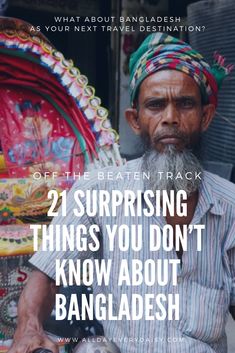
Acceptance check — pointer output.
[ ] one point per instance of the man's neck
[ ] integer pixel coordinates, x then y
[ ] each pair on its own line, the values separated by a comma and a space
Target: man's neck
174, 220
191, 207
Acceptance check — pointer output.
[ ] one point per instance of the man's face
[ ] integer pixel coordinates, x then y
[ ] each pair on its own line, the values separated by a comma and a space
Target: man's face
169, 110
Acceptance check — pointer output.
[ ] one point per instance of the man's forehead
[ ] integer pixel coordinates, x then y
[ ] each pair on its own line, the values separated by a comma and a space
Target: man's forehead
169, 81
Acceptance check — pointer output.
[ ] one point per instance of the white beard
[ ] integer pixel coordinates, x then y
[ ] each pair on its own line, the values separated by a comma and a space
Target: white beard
171, 160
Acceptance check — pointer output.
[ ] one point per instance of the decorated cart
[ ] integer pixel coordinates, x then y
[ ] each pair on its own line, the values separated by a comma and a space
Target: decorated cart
51, 121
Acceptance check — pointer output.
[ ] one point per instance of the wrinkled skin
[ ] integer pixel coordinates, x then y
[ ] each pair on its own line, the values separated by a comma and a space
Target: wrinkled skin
169, 110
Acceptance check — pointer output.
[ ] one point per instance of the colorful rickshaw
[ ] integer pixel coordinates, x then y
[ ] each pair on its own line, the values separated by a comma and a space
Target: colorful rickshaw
51, 121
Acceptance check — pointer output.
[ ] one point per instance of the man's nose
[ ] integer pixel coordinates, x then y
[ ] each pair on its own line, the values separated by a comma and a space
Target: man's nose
171, 115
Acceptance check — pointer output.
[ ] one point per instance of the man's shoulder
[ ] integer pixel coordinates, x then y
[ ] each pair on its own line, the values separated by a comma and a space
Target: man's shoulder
222, 189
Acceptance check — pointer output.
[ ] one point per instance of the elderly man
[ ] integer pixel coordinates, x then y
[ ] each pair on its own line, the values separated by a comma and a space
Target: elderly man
174, 97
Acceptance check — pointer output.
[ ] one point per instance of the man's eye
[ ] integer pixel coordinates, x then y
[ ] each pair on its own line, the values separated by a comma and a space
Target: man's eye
186, 103
155, 105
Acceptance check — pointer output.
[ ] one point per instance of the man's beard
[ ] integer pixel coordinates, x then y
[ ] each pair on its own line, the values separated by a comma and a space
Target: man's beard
176, 162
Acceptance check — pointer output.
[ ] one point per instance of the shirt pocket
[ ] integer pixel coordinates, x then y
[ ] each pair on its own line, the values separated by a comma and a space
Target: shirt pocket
203, 312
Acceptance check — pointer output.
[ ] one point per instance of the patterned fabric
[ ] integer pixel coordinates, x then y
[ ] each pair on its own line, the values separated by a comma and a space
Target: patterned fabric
16, 240
206, 280
161, 51
14, 273
27, 197
50, 116
34, 135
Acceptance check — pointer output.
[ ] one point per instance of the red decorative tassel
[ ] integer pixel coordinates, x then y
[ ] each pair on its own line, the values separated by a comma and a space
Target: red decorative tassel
220, 61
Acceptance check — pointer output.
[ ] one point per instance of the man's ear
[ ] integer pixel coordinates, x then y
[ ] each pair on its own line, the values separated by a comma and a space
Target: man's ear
132, 118
208, 114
